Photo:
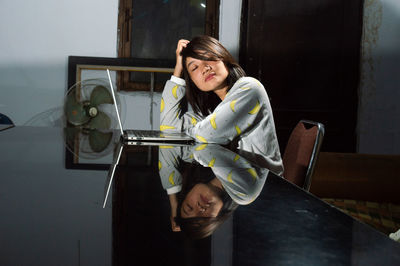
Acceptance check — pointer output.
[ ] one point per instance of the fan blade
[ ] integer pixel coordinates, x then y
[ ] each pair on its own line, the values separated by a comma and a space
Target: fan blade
100, 94
99, 141
100, 121
76, 113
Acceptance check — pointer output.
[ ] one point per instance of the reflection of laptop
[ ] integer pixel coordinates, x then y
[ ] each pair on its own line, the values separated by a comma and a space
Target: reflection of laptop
147, 135
111, 173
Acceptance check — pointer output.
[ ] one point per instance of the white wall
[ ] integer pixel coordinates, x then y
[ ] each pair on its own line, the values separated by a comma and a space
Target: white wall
379, 108
64, 225
36, 39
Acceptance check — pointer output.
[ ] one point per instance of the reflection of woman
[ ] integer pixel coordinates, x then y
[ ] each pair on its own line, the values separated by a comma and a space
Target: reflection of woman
227, 106
200, 199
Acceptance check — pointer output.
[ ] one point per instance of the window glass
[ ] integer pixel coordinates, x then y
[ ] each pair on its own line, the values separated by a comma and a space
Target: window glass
158, 25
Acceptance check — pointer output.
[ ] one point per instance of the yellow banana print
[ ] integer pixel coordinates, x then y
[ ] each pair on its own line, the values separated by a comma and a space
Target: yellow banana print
232, 105
171, 178
246, 88
211, 163
201, 139
230, 177
236, 158
238, 130
255, 109
201, 147
174, 90
194, 121
166, 147
159, 165
162, 105
165, 127
252, 172
212, 121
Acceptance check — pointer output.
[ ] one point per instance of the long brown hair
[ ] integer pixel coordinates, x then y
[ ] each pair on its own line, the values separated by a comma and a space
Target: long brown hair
201, 227
208, 49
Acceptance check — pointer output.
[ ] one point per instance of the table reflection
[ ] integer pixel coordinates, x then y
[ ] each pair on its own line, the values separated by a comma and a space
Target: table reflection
205, 184
149, 211
141, 226
53, 215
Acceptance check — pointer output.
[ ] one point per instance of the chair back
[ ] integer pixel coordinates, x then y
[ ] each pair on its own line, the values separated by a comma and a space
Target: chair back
302, 151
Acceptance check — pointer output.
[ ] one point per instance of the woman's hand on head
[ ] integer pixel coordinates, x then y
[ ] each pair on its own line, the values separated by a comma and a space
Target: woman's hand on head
178, 67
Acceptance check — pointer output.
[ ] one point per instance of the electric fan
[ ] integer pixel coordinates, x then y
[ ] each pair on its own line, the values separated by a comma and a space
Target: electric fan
89, 118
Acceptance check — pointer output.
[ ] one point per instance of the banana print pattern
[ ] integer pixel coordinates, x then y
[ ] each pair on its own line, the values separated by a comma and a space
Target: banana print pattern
244, 115
229, 177
171, 178
252, 172
201, 139
212, 162
238, 130
256, 109
165, 147
162, 105
232, 105
201, 147
174, 91
240, 179
212, 121
165, 127
194, 121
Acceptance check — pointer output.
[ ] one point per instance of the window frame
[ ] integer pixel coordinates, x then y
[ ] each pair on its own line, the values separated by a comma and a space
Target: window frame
124, 37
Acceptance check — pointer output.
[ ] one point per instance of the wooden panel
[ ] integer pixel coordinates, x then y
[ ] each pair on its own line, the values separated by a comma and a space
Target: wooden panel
357, 176
306, 53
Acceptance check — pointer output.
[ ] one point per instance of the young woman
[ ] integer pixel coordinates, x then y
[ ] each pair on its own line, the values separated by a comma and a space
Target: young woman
216, 103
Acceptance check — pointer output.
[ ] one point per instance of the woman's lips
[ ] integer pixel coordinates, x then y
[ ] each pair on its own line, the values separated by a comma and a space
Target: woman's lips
209, 77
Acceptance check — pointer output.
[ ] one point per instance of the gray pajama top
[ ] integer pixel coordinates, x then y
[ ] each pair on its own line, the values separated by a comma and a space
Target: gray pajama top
242, 180
244, 115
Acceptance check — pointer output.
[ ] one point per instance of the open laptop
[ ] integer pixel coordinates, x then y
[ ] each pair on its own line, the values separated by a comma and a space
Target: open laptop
136, 137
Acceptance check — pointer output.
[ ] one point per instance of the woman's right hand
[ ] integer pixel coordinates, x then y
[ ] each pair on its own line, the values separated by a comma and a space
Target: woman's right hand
173, 201
178, 67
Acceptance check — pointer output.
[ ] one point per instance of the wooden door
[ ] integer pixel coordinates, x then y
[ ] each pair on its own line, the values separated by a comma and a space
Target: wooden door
307, 54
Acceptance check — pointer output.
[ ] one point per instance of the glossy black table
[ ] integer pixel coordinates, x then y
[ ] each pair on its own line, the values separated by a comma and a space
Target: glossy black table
52, 214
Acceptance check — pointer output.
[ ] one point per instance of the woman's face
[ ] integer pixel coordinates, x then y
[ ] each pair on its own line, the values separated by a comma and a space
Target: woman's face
201, 201
208, 75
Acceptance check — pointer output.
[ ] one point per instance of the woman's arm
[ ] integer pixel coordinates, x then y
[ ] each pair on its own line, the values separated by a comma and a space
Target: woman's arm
244, 105
174, 91
171, 178
178, 66
242, 180
170, 109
